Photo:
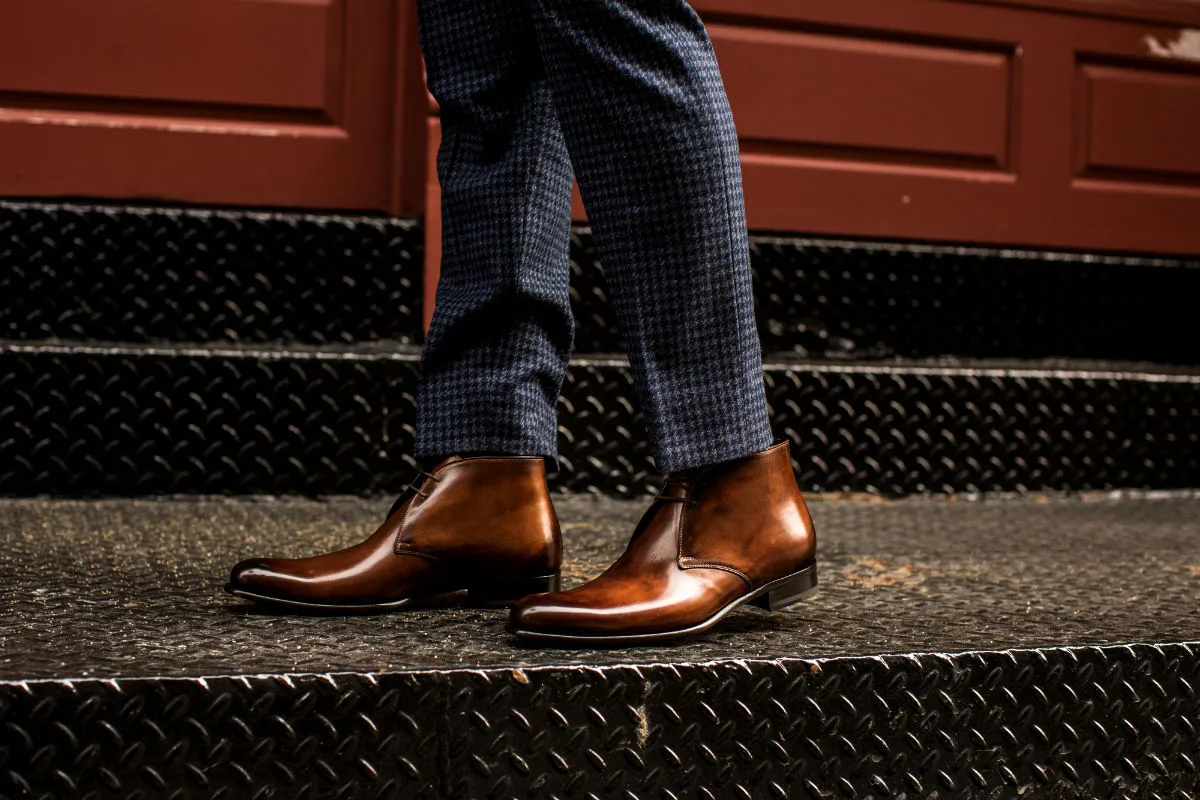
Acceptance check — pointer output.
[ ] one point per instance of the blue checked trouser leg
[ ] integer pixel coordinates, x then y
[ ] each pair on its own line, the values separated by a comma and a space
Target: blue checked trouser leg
628, 92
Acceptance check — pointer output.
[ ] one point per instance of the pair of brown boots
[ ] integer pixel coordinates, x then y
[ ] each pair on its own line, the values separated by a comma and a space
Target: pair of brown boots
713, 538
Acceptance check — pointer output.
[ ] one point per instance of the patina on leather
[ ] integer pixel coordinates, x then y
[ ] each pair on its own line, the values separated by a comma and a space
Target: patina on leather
485, 524
713, 538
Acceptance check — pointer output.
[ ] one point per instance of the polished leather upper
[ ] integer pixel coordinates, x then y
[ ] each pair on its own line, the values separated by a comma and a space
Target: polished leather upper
470, 519
712, 536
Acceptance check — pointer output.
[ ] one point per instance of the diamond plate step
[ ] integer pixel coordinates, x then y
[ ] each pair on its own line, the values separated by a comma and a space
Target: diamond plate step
120, 273
1042, 647
845, 299
128, 420
93, 272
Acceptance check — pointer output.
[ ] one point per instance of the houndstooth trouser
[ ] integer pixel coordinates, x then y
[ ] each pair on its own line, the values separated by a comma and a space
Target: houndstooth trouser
629, 94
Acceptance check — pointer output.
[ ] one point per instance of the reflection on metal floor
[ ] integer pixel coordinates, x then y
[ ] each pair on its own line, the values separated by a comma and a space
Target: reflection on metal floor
1004, 647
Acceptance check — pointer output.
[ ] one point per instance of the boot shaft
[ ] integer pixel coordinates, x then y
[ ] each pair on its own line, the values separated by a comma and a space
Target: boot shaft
748, 514
484, 512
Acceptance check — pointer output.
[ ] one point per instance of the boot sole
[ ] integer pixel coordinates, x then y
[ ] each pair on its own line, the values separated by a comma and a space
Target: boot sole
482, 593
773, 596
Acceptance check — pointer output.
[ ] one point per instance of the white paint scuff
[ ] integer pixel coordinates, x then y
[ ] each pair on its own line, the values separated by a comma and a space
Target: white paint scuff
1186, 46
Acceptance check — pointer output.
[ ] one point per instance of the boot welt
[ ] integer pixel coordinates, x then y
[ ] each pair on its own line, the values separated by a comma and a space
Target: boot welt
773, 596
316, 608
482, 593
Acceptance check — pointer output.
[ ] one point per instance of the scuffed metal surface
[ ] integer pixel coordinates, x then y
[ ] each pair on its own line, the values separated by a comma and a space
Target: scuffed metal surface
1004, 648
116, 587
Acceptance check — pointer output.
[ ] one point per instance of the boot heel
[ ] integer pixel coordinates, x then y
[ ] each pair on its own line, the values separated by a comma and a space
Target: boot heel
507, 592
790, 589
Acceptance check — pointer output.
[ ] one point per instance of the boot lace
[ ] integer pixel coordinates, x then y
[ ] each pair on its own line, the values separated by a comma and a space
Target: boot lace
415, 483
687, 501
415, 486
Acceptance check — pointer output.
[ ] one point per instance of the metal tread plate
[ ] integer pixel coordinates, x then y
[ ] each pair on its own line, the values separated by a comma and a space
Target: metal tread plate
127, 419
95, 271
855, 299
1005, 647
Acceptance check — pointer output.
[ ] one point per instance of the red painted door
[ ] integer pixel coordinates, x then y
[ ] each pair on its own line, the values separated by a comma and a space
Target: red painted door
1048, 123
1055, 123
241, 102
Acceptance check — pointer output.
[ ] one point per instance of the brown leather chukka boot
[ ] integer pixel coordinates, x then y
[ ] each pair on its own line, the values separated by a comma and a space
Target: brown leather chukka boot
714, 538
484, 524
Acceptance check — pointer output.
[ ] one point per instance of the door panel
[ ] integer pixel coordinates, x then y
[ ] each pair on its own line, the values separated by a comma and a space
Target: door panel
946, 101
953, 120
1140, 120
285, 54
240, 102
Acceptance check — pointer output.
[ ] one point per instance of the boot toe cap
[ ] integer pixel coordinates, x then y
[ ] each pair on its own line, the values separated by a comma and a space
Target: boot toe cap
541, 613
564, 614
255, 576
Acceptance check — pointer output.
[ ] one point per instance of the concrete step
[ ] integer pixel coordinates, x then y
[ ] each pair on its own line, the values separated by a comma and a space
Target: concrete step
1036, 646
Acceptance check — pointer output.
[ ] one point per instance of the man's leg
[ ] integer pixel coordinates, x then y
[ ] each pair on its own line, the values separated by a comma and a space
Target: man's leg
495, 356
651, 135
501, 334
650, 131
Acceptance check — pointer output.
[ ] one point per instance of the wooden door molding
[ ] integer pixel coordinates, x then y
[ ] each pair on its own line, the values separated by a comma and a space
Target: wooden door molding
1172, 12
